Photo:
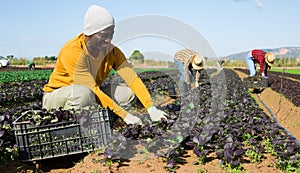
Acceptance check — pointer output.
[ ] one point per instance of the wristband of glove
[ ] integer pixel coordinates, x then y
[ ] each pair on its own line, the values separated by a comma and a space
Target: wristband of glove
150, 108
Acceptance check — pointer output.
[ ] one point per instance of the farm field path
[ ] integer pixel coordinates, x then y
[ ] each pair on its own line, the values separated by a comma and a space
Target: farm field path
156, 165
285, 111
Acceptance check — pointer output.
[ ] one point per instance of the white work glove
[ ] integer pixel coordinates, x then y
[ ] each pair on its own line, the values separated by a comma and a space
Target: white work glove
156, 114
131, 119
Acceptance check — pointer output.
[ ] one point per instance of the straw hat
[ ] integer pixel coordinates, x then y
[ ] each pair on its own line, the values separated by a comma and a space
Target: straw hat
269, 58
197, 62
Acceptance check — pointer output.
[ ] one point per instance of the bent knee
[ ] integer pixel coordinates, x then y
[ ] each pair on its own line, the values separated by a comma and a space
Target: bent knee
124, 96
81, 96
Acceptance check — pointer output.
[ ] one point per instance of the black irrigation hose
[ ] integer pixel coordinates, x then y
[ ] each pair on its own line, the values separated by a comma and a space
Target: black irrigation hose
276, 120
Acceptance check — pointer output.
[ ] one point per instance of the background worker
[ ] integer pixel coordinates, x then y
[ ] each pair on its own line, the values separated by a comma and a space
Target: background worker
189, 64
31, 64
220, 62
85, 61
264, 59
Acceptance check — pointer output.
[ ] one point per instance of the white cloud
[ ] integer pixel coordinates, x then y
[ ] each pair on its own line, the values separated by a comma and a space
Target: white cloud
259, 3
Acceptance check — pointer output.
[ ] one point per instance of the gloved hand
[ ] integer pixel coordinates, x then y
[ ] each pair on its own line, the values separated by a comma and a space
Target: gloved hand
131, 119
156, 114
265, 77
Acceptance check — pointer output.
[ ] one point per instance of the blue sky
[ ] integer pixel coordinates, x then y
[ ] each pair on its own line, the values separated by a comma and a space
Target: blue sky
40, 28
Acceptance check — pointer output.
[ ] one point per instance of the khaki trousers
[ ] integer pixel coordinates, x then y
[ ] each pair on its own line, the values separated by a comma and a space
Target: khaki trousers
79, 96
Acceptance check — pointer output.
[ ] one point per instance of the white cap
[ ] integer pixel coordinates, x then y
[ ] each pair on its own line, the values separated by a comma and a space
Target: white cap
96, 19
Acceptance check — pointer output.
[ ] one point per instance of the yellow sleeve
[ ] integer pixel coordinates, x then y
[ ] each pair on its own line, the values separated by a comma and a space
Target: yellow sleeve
83, 76
63, 72
106, 101
135, 83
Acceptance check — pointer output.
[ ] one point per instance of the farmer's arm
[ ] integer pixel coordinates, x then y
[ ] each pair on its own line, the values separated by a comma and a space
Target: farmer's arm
126, 71
83, 76
261, 62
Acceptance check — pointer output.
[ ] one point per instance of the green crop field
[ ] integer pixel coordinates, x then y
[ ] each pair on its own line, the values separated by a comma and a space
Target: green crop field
26, 75
291, 71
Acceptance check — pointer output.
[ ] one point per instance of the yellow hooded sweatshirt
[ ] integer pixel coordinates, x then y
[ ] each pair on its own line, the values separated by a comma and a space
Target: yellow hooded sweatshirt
76, 66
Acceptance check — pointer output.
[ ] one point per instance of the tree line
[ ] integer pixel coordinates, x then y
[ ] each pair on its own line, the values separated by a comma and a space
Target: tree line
137, 58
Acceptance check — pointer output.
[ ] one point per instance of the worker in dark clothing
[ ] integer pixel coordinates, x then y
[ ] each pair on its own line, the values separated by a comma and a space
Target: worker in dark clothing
31, 65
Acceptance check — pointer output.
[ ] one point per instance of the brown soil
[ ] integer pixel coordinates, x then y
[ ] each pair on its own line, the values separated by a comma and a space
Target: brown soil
285, 111
156, 165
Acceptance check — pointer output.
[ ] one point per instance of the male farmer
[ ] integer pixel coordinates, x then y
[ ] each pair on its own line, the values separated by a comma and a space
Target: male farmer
84, 62
220, 62
264, 59
189, 64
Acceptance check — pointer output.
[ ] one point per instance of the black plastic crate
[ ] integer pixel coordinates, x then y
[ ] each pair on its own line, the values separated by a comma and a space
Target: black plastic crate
255, 82
65, 138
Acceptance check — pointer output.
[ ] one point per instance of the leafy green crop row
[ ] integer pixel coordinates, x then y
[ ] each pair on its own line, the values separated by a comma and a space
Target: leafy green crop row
291, 71
239, 132
26, 75
22, 76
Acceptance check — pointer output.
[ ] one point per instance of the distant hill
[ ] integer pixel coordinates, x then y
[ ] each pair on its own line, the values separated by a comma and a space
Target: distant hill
288, 52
